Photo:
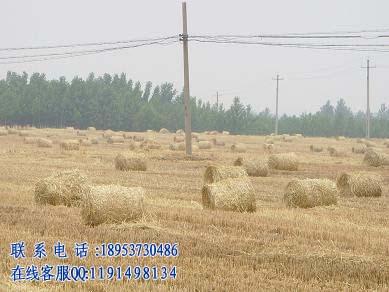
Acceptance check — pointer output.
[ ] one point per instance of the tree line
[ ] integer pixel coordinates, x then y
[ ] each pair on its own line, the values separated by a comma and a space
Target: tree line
119, 103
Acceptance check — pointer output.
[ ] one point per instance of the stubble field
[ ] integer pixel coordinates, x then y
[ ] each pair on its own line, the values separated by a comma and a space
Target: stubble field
341, 247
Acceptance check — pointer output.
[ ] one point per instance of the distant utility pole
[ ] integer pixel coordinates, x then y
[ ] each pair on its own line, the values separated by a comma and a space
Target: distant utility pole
278, 79
217, 100
184, 39
368, 67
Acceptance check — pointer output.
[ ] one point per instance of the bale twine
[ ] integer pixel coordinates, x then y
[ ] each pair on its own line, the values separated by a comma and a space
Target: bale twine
225, 133
91, 129
179, 139
3, 132
131, 161
205, 145
216, 173
315, 148
375, 158
308, 193
44, 143
164, 131
177, 146
115, 139
218, 142
62, 188
30, 140
284, 161
235, 194
112, 204
253, 167
238, 148
69, 145
359, 149
359, 184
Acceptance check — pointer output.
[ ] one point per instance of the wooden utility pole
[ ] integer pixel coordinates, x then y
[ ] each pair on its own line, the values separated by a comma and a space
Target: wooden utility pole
368, 67
217, 100
184, 39
276, 126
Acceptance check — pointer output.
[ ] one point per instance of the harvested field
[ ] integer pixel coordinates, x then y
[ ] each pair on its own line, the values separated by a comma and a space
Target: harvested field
342, 247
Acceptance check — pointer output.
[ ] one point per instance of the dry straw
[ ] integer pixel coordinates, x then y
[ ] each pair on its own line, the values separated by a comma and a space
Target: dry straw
63, 188
179, 139
308, 193
138, 138
150, 144
235, 194
359, 149
44, 143
253, 167
268, 147
23, 133
238, 148
91, 129
216, 173
70, 145
81, 133
115, 139
218, 142
225, 133
335, 152
70, 128
108, 133
177, 146
95, 141
315, 148
86, 142
375, 158
361, 140
359, 184
180, 132
205, 145
370, 143
12, 131
284, 161
340, 138
112, 204
131, 161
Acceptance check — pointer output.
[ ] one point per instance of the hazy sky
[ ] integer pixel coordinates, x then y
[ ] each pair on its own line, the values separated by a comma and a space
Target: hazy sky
311, 76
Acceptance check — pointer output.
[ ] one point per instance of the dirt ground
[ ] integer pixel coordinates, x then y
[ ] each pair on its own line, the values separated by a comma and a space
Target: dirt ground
342, 247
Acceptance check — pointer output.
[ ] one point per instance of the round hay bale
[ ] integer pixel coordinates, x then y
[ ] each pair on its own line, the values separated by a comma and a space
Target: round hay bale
235, 194
205, 145
340, 138
299, 135
44, 143
177, 146
268, 147
284, 161
216, 173
23, 133
164, 131
214, 133
361, 140
195, 135
86, 142
359, 184
336, 152
150, 144
94, 141
226, 133
386, 142
127, 135
112, 204
108, 133
308, 193
62, 188
253, 167
359, 149
70, 128
315, 148
115, 139
180, 132
91, 129
30, 140
370, 143
12, 131
288, 139
218, 142
69, 145
81, 133
238, 148
375, 158
138, 138
131, 161
3, 133
179, 139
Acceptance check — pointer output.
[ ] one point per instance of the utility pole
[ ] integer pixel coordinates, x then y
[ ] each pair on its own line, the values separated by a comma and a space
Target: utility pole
278, 79
184, 39
217, 99
368, 67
